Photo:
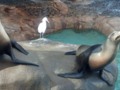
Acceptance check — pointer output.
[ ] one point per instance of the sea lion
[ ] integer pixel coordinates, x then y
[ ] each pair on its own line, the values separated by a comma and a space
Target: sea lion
94, 58
7, 45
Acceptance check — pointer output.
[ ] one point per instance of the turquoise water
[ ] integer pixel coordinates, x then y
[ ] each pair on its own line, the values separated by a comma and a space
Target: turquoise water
84, 37
87, 37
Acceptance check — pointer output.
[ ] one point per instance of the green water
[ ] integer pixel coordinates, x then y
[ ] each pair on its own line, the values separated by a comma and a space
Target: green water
87, 37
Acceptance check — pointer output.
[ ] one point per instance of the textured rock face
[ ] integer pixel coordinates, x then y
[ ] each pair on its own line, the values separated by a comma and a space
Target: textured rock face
39, 8
83, 2
21, 18
17, 24
51, 59
94, 7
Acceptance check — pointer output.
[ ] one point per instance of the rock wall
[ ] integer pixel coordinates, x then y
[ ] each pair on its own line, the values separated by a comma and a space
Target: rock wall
21, 18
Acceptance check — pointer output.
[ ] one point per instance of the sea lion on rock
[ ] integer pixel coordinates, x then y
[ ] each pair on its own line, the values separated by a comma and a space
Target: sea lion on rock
7, 45
94, 58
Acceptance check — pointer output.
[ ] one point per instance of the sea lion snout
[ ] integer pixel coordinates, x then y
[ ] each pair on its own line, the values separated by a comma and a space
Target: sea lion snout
114, 37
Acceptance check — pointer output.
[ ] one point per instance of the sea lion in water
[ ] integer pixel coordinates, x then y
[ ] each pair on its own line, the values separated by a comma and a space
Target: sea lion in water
7, 45
94, 58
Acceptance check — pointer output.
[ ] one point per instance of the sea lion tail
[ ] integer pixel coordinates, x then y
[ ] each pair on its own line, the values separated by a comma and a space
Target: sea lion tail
72, 75
71, 53
19, 47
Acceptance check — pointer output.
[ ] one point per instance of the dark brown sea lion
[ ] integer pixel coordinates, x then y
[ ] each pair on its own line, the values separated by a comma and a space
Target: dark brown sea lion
7, 45
94, 58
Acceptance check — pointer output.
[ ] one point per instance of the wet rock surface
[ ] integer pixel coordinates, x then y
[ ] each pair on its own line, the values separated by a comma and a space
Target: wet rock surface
51, 59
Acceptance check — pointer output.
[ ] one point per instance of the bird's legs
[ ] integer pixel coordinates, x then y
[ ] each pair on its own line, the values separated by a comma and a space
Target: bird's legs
41, 35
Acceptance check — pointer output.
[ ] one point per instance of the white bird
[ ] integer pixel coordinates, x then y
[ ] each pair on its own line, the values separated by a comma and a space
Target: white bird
42, 26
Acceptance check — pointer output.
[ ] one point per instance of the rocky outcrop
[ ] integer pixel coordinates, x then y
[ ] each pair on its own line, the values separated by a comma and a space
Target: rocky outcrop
21, 18
21, 77
25, 28
51, 59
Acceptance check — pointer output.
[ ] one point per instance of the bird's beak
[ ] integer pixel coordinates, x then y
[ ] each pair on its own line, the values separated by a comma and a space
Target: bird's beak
48, 21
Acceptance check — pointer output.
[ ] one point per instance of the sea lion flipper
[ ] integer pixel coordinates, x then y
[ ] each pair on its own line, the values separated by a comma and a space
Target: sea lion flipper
17, 61
82, 48
107, 77
70, 53
19, 47
75, 75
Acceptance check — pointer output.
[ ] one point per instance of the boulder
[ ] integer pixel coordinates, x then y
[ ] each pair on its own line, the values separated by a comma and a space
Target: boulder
21, 77
51, 59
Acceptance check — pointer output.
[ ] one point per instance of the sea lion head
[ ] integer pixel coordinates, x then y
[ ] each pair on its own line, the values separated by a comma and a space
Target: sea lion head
114, 37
